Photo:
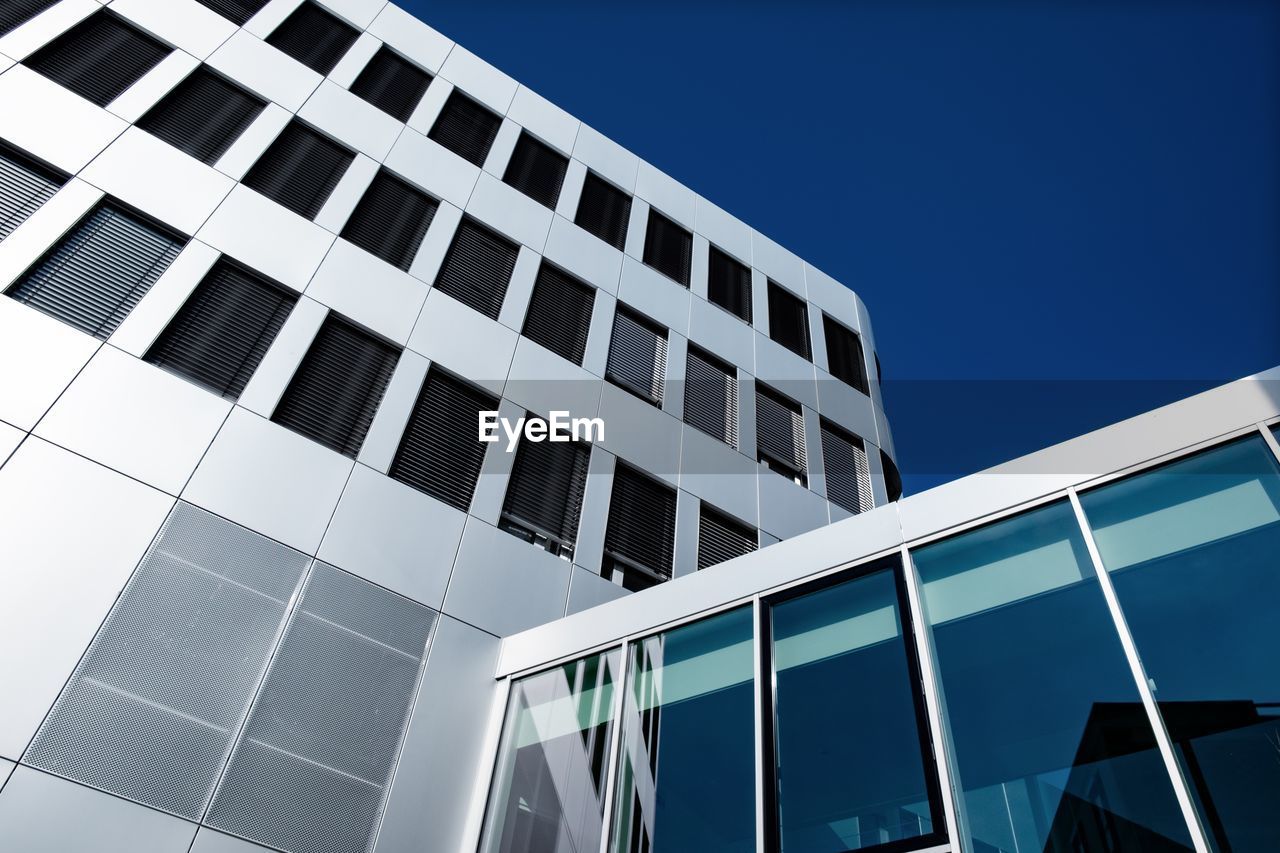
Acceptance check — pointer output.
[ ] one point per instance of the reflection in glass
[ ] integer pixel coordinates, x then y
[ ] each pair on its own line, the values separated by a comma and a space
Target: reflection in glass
549, 785
1193, 549
850, 754
1052, 747
687, 770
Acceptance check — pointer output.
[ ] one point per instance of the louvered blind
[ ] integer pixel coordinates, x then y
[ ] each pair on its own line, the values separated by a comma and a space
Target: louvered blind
99, 57
604, 210
466, 128
336, 391
537, 170
300, 169
203, 115
721, 538
478, 267
637, 355
844, 354
236, 11
844, 459
668, 248
729, 284
546, 488
559, 315
222, 332
788, 320
24, 187
641, 530
711, 396
314, 36
96, 275
13, 13
441, 452
780, 431
391, 220
392, 83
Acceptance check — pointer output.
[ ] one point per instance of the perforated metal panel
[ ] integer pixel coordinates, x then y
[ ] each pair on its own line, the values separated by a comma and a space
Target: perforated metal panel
24, 187
99, 57
314, 36
152, 709
711, 396
844, 459
203, 115
603, 210
637, 356
559, 315
14, 13
311, 770
391, 220
300, 170
392, 83
668, 248
466, 128
478, 268
537, 170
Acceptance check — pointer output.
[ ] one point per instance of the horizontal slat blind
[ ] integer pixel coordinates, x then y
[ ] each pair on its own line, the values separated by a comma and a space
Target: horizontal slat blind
441, 452
236, 11
844, 458
337, 388
546, 488
24, 187
314, 36
844, 354
99, 57
668, 248
720, 538
466, 128
711, 396
16, 12
729, 284
203, 115
642, 522
392, 83
391, 220
537, 170
780, 429
220, 335
300, 169
478, 267
637, 355
97, 274
559, 315
604, 210
788, 320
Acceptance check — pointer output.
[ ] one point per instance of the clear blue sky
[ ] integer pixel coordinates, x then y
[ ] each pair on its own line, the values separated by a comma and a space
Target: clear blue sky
1060, 214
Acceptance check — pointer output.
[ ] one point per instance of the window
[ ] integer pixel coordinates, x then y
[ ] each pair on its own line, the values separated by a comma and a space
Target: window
711, 396
892, 479
721, 538
203, 115
788, 320
544, 497
99, 57
98, 273
537, 170
391, 220
441, 452
25, 186
559, 315
466, 128
300, 170
392, 83
236, 11
604, 210
14, 13
222, 332
668, 248
844, 354
780, 434
336, 391
729, 284
314, 36
844, 459
639, 539
637, 355
478, 268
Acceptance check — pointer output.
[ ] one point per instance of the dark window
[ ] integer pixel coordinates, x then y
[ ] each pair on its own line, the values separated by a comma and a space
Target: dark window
441, 452
97, 274
14, 13
668, 248
203, 115
314, 36
637, 355
639, 540
99, 57
300, 169
721, 538
711, 396
466, 128
780, 434
223, 331
559, 315
604, 210
391, 220
729, 284
844, 459
392, 83
537, 170
25, 185
478, 267
336, 391
236, 11
788, 320
892, 479
844, 354
544, 497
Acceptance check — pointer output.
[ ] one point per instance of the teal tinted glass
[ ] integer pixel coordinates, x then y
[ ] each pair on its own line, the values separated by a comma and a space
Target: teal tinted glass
686, 777
1052, 746
1193, 549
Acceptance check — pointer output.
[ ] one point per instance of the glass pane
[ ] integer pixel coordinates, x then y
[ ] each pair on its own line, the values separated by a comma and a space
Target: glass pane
1192, 550
1052, 746
549, 786
850, 760
687, 771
